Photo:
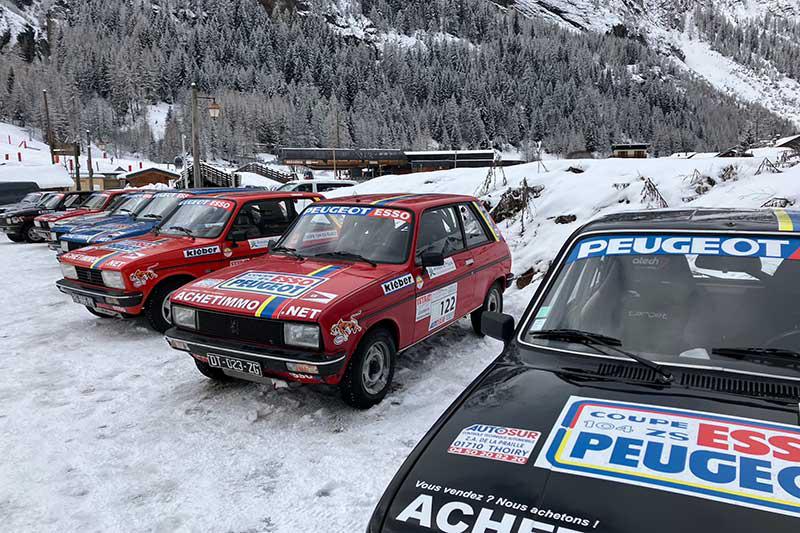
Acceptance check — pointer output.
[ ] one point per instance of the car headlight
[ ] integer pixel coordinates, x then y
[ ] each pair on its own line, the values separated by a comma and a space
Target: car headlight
113, 279
184, 317
305, 335
37, 223
15, 220
64, 246
69, 271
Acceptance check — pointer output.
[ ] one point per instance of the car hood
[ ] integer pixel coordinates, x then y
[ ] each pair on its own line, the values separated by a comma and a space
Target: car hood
111, 231
27, 211
533, 444
140, 252
89, 220
61, 215
264, 284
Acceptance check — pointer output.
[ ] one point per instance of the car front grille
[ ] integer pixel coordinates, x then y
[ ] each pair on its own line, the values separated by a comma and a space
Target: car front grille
74, 245
90, 275
44, 225
241, 328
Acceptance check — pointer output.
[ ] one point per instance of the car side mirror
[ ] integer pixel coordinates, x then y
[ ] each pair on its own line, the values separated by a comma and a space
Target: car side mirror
498, 326
237, 235
272, 243
432, 259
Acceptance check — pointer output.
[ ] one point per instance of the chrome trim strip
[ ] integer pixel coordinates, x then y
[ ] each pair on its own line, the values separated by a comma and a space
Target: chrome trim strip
257, 355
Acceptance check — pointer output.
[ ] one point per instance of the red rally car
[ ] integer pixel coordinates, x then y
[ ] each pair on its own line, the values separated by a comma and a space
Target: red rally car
353, 282
135, 276
96, 203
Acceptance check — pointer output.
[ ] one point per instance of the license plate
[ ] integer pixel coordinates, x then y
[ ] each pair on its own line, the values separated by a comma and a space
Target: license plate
53, 236
83, 300
236, 365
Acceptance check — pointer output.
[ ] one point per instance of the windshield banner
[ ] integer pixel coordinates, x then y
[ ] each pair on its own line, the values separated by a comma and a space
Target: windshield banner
358, 211
686, 245
739, 461
220, 204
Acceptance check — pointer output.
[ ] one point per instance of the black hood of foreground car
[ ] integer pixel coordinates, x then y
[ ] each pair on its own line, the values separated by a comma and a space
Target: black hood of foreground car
533, 409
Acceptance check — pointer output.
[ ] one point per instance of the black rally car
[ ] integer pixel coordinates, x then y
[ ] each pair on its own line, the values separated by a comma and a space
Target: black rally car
652, 385
18, 224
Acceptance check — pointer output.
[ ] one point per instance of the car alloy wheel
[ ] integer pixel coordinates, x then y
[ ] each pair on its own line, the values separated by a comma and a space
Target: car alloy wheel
376, 368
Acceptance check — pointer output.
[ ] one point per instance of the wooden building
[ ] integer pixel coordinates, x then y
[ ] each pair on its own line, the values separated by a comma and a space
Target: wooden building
149, 176
630, 151
792, 142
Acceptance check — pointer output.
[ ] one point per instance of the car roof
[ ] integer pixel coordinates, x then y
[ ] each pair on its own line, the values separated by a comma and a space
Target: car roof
408, 201
322, 180
700, 219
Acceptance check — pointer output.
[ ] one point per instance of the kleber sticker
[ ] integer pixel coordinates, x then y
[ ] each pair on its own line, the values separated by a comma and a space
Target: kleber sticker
740, 461
686, 245
201, 252
273, 283
344, 329
510, 445
448, 266
141, 277
397, 284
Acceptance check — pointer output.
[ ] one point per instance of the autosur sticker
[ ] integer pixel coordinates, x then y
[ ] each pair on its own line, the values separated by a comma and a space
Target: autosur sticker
740, 461
510, 445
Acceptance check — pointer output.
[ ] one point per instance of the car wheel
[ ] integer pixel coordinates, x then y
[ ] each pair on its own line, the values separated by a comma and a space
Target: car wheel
157, 309
370, 371
210, 372
492, 302
97, 313
31, 235
15, 238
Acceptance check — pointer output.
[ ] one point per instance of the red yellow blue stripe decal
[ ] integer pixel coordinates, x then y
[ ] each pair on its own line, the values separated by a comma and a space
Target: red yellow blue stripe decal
100, 261
787, 220
391, 199
272, 306
489, 222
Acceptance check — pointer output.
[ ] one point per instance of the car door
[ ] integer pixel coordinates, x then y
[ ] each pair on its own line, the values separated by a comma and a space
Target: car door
482, 243
444, 293
259, 222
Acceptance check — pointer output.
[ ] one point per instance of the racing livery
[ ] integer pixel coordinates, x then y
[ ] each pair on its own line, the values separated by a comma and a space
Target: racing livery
96, 203
350, 284
134, 276
652, 385
19, 225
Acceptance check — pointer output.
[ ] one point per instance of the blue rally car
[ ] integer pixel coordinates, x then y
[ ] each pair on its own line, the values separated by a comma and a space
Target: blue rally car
147, 218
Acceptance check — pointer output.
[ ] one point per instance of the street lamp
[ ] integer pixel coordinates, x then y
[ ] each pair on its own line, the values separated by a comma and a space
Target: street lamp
213, 111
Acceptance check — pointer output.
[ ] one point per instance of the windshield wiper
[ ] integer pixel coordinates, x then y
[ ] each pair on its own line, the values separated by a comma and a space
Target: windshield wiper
152, 216
593, 339
781, 356
288, 251
187, 231
348, 255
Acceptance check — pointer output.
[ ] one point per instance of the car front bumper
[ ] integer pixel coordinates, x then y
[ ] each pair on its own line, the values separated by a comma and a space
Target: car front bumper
99, 295
273, 361
12, 229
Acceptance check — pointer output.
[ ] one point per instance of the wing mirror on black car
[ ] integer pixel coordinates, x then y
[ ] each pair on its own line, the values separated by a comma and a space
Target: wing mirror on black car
498, 326
432, 259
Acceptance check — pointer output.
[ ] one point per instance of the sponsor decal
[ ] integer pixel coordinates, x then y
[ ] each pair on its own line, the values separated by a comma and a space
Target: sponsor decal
319, 297
487, 218
79, 257
207, 282
686, 245
259, 244
397, 284
227, 252
440, 507
321, 235
344, 329
298, 311
216, 300
420, 282
131, 245
358, 211
303, 378
141, 277
201, 252
448, 266
239, 261
439, 306
510, 445
740, 461
219, 204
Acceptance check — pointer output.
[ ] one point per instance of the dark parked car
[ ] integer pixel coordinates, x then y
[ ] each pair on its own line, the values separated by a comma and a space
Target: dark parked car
18, 224
14, 193
652, 385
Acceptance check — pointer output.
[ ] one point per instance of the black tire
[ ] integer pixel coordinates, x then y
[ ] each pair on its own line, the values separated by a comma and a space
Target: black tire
210, 372
15, 238
97, 313
156, 309
30, 235
357, 388
493, 301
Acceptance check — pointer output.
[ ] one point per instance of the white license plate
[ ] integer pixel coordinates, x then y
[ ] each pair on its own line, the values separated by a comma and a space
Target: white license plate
83, 300
53, 236
236, 365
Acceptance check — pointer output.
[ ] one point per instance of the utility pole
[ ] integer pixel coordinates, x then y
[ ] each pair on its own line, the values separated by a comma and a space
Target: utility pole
335, 175
89, 159
77, 164
48, 134
183, 158
198, 182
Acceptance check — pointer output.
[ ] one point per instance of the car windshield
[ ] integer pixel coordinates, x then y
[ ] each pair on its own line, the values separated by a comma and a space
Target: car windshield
31, 198
198, 218
95, 201
287, 187
374, 233
161, 206
73, 201
686, 299
53, 201
131, 205
115, 202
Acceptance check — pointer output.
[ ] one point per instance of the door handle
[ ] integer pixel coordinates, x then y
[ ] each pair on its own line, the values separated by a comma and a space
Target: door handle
469, 262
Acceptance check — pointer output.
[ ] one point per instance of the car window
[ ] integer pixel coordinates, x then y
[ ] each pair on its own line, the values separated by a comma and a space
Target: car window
473, 228
440, 232
264, 218
73, 200
304, 187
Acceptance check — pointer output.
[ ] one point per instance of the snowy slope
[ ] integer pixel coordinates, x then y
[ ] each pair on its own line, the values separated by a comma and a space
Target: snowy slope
14, 19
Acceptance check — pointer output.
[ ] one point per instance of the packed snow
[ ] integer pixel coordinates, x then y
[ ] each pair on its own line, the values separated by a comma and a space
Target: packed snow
106, 428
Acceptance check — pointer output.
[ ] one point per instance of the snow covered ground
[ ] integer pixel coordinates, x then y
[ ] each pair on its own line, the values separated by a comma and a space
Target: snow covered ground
105, 428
